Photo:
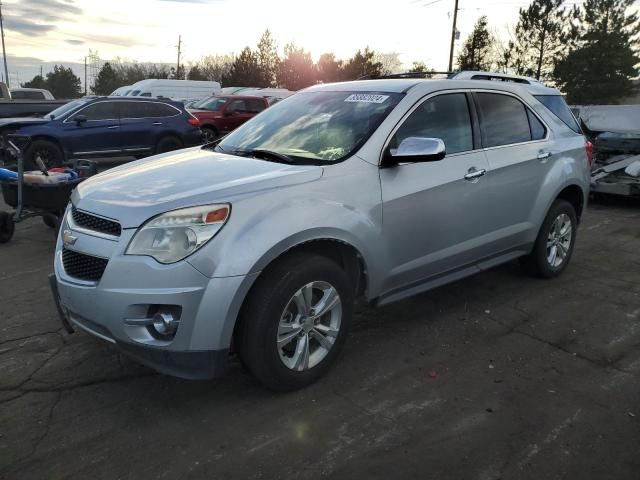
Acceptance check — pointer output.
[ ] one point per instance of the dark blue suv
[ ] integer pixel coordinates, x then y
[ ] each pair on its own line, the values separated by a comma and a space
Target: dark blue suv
110, 127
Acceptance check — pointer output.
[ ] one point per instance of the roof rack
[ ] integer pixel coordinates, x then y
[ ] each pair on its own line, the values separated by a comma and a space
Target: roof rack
427, 74
460, 75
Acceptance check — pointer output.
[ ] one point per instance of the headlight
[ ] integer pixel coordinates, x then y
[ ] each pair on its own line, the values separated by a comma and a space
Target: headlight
172, 236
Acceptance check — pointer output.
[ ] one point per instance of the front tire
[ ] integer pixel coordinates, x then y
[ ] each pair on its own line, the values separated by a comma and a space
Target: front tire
295, 322
50, 154
168, 144
554, 246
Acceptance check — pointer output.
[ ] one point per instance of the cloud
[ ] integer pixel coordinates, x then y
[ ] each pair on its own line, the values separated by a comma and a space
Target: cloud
72, 41
33, 17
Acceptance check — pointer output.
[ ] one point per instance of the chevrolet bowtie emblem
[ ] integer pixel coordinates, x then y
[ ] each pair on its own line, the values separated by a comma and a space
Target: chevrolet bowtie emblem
68, 239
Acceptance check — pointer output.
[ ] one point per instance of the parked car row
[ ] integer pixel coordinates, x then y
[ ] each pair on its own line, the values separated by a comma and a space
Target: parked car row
261, 242
108, 127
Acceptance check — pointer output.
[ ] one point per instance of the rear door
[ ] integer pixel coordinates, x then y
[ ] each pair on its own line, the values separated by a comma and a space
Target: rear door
436, 214
520, 153
98, 135
143, 123
236, 113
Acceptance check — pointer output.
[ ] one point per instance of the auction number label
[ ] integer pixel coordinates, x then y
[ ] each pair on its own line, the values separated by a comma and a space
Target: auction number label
366, 98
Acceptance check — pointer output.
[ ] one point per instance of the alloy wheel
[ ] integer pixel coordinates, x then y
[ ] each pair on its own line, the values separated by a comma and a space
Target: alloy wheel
309, 326
559, 240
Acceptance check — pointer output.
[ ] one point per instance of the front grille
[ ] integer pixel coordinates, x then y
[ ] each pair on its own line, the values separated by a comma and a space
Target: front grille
97, 224
84, 267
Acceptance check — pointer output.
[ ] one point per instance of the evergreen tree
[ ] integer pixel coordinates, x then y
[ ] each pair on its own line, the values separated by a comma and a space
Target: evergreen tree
245, 71
544, 33
268, 60
35, 82
477, 51
600, 68
296, 70
329, 69
107, 81
63, 83
196, 73
362, 64
421, 67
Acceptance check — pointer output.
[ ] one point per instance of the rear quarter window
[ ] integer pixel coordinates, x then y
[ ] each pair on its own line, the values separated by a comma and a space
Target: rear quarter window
557, 106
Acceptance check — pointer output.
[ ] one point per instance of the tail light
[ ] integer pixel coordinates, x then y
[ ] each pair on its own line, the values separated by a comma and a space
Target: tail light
588, 146
193, 121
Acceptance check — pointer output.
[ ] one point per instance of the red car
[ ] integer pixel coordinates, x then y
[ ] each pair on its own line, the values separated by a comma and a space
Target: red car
222, 114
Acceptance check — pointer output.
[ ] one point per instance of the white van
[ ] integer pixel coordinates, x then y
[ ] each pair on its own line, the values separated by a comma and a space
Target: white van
175, 89
121, 92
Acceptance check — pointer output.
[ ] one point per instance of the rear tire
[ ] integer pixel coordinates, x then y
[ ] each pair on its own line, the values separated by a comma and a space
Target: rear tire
50, 154
210, 133
168, 144
556, 239
285, 316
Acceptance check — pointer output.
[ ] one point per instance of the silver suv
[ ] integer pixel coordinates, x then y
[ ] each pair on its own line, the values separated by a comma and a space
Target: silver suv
261, 243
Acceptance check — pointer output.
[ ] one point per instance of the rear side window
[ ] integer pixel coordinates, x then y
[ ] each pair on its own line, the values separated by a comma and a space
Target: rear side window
503, 120
445, 117
146, 110
100, 111
255, 105
26, 95
557, 106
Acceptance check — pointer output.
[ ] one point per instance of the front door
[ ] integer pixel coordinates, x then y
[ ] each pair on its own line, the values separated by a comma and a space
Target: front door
94, 130
437, 216
235, 114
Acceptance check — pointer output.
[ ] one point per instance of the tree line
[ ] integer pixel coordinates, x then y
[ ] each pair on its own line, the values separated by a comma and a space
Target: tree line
589, 52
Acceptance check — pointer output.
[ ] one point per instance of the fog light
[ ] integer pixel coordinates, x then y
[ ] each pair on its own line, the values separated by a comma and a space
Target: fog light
165, 324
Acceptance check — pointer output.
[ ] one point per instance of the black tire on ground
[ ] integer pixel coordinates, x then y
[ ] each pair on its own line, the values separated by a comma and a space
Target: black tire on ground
50, 220
257, 330
537, 262
168, 144
7, 227
210, 133
49, 153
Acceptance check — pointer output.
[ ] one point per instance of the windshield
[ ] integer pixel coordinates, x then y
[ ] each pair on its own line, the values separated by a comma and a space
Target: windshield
211, 103
132, 93
314, 127
66, 108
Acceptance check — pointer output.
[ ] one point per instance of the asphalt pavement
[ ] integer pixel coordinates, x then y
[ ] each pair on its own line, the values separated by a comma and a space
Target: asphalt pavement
499, 376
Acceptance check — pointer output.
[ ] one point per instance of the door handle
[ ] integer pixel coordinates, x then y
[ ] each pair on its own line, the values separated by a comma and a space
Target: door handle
113, 127
157, 123
543, 155
474, 174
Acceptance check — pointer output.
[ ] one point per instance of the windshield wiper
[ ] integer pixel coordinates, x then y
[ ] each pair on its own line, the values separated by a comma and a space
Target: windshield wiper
263, 154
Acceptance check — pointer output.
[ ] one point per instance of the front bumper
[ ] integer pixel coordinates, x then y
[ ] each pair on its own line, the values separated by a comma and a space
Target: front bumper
131, 287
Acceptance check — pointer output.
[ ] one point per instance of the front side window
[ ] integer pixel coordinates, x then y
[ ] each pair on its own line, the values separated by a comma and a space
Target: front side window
67, 108
503, 120
100, 111
445, 117
314, 127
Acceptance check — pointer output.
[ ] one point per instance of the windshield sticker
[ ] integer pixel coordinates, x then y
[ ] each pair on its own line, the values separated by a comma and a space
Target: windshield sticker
366, 98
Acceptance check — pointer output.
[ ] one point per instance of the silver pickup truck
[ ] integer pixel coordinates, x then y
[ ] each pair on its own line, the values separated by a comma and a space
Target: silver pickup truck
14, 107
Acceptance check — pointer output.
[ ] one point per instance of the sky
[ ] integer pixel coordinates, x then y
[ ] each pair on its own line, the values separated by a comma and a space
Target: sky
41, 33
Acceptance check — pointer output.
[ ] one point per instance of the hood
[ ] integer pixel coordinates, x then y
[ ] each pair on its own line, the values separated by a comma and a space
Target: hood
135, 192
22, 122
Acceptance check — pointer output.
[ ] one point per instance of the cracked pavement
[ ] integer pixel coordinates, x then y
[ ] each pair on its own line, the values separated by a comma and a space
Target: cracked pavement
498, 376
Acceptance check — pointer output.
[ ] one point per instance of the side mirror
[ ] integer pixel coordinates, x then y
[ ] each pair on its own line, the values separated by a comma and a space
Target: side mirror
80, 119
416, 150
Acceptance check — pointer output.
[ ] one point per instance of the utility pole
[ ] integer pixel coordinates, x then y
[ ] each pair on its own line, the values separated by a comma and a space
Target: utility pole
179, 45
4, 53
453, 36
85, 75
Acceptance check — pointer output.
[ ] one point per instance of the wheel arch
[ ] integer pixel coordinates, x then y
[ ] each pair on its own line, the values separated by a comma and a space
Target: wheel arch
573, 194
52, 139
